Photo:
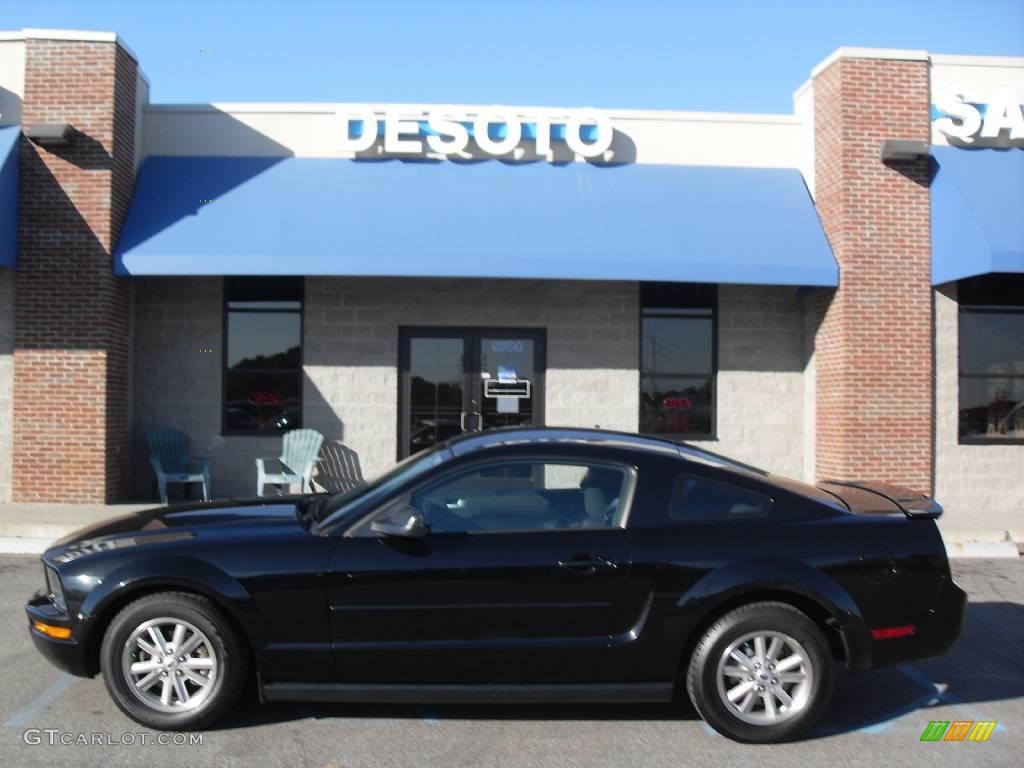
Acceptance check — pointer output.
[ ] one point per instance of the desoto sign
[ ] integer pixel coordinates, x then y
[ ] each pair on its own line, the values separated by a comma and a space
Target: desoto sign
966, 120
495, 130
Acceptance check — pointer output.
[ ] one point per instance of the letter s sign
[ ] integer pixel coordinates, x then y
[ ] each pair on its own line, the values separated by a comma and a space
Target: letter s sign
952, 104
965, 121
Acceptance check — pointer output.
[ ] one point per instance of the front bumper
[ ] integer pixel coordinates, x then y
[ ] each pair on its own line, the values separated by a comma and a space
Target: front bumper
68, 655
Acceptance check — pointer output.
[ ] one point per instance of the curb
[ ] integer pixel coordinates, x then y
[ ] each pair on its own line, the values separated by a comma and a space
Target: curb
990, 549
23, 545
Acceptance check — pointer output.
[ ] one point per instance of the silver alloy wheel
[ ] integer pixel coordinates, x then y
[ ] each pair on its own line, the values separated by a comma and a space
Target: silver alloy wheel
169, 664
765, 678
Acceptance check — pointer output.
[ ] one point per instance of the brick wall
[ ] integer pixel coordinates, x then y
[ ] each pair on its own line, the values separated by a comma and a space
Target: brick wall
71, 399
6, 379
873, 346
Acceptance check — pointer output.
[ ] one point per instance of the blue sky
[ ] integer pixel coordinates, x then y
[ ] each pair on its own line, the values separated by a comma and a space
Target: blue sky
725, 55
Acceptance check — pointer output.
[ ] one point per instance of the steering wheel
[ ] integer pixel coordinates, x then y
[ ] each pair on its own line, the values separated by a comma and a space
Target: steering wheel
440, 519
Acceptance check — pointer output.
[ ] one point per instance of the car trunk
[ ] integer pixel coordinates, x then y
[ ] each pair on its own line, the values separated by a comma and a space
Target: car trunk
864, 498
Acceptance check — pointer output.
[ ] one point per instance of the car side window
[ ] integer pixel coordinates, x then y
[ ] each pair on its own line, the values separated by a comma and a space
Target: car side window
526, 495
701, 499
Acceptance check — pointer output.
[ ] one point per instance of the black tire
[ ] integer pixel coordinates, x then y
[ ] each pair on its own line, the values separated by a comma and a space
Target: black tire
228, 650
702, 678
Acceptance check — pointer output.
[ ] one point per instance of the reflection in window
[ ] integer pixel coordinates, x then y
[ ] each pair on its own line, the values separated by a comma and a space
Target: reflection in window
991, 358
677, 359
262, 354
525, 496
700, 499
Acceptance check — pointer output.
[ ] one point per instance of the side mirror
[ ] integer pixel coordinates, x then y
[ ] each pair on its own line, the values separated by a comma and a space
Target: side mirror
405, 522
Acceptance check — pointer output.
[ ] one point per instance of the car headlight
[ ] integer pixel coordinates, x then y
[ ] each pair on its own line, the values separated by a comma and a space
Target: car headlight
54, 590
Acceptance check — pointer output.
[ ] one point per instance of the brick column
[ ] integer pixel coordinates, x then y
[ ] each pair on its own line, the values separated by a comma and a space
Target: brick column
874, 344
71, 314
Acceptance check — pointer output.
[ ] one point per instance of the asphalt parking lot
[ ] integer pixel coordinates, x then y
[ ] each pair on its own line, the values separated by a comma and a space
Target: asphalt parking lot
877, 718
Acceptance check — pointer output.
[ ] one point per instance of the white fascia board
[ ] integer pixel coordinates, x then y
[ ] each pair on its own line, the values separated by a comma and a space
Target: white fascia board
899, 54
977, 61
79, 35
468, 109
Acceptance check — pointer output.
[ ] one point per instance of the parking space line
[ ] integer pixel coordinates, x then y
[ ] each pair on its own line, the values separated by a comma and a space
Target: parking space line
55, 690
943, 694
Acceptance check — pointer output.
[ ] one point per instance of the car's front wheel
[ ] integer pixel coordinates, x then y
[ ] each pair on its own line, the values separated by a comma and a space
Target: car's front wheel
172, 661
761, 673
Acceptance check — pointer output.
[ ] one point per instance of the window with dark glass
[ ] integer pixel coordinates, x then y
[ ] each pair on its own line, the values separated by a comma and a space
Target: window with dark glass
992, 358
677, 359
262, 354
701, 499
524, 495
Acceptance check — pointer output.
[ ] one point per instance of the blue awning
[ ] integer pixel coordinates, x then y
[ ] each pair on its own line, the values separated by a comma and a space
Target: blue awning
306, 216
9, 159
977, 212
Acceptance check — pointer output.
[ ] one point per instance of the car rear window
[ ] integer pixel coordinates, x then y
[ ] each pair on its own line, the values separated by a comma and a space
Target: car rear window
701, 499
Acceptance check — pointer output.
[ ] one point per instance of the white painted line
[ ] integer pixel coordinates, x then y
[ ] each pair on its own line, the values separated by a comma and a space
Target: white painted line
19, 545
944, 696
26, 714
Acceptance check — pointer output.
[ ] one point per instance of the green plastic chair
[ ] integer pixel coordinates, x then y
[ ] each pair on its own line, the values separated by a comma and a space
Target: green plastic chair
299, 451
168, 453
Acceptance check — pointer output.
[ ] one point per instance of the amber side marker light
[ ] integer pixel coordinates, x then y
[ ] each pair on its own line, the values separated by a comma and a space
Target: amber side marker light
891, 633
58, 633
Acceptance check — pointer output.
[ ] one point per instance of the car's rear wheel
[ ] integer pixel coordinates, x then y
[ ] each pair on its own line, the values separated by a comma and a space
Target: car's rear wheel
173, 661
761, 673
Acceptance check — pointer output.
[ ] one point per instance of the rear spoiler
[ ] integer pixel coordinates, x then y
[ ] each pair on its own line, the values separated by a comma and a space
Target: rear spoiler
880, 498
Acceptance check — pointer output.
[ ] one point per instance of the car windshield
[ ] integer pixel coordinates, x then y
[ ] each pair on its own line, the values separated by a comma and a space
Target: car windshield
347, 504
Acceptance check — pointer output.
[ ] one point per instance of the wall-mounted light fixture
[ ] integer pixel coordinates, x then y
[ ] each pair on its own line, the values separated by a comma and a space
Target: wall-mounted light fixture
903, 150
51, 134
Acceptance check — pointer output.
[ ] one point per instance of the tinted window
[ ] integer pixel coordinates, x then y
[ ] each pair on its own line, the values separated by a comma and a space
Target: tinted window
526, 495
698, 499
991, 358
262, 354
677, 360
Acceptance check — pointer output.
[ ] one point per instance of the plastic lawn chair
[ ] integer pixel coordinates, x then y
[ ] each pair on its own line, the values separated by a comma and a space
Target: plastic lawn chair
338, 469
298, 457
168, 453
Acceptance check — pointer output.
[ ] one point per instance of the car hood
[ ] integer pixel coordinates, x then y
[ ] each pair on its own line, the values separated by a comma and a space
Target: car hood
178, 522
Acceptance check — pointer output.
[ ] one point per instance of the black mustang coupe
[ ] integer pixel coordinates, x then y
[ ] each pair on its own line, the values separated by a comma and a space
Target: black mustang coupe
514, 565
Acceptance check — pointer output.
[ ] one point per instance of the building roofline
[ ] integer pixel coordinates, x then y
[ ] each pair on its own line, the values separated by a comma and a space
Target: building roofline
964, 60
381, 108
80, 35
848, 52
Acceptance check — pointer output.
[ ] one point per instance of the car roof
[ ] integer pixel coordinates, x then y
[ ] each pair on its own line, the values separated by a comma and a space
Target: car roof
513, 436
472, 442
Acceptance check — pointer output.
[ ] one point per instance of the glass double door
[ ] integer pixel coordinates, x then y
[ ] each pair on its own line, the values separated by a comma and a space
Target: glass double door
467, 380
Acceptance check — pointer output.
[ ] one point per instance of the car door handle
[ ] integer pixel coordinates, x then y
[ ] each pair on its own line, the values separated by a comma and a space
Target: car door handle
585, 564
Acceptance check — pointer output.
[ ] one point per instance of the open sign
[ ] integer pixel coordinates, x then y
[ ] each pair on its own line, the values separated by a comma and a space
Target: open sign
677, 404
263, 398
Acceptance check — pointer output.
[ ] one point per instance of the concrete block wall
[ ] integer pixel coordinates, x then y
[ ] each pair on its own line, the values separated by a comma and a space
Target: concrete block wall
351, 349
761, 362
6, 381
979, 486
351, 363
177, 384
